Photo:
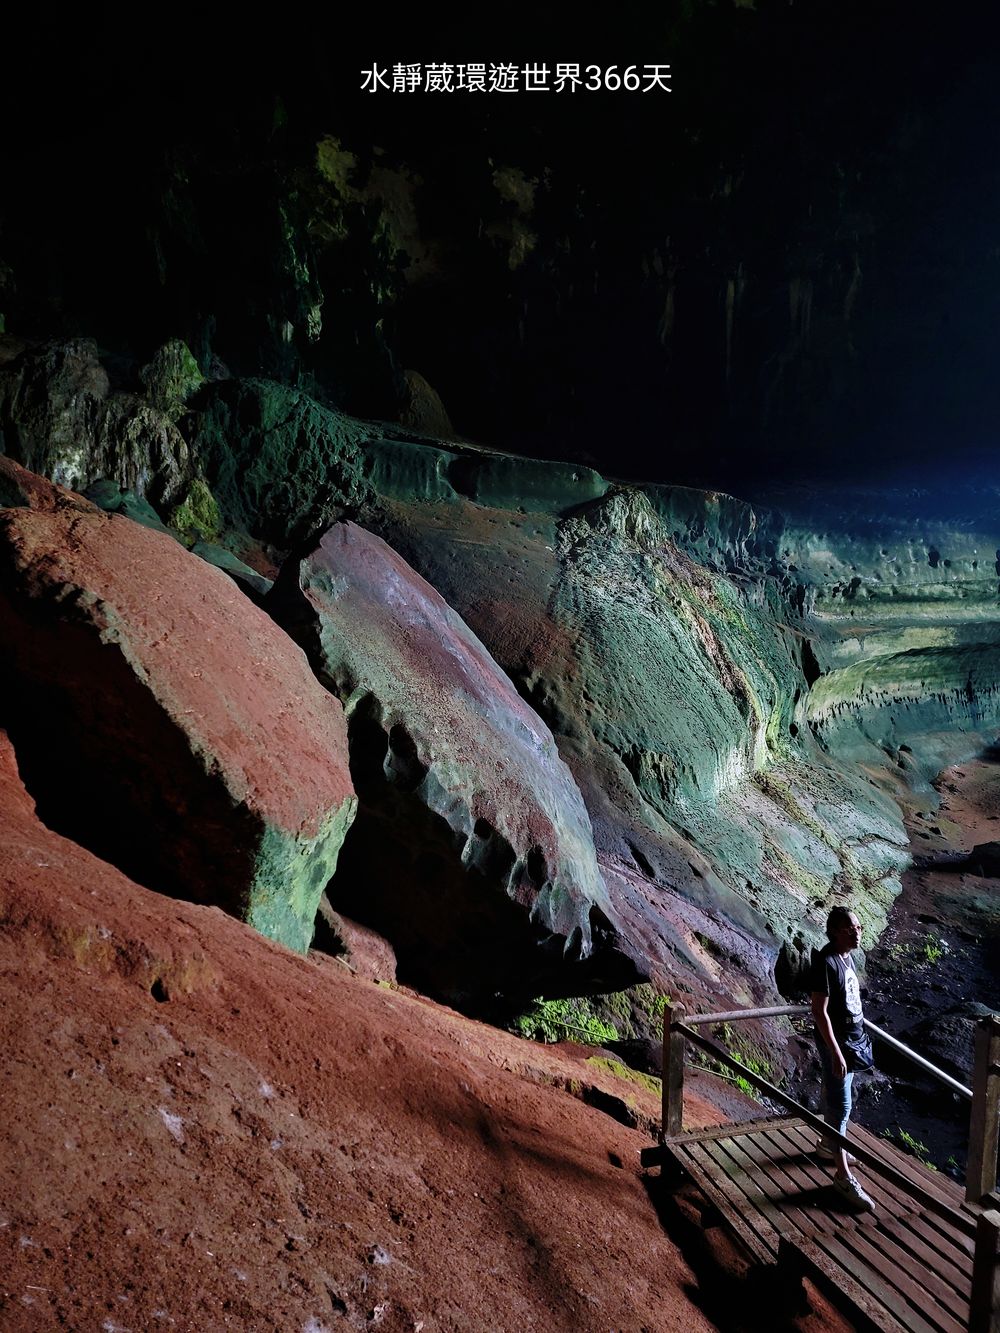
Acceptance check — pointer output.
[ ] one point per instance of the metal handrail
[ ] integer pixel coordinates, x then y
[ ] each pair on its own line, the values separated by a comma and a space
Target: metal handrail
939, 1074
888, 1172
775, 1011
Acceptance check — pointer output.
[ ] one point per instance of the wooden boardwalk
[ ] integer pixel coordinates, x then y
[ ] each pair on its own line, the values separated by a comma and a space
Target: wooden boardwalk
908, 1266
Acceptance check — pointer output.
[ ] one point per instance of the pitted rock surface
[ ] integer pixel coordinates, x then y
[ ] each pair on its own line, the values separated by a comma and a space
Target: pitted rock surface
446, 726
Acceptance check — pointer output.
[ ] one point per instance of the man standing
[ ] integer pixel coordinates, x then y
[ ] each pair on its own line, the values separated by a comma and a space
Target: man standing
844, 1047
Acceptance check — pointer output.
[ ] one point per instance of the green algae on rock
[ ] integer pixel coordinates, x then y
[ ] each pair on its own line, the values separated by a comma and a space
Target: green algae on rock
196, 515
171, 378
279, 465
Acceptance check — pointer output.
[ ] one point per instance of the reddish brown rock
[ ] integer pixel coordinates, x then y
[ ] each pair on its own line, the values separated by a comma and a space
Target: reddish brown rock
262, 1141
164, 721
21, 488
59, 901
364, 951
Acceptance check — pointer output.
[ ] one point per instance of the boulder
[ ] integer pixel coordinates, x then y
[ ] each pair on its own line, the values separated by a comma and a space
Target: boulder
984, 860
280, 465
22, 489
110, 497
947, 1038
255, 585
165, 722
171, 378
364, 951
454, 766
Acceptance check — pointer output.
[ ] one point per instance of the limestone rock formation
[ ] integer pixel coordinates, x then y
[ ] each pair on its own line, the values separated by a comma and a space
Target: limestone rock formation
740, 690
255, 585
722, 827
171, 378
164, 721
441, 742
59, 417
903, 612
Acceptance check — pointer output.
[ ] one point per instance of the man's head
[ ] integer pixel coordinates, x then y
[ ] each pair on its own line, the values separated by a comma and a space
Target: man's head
843, 929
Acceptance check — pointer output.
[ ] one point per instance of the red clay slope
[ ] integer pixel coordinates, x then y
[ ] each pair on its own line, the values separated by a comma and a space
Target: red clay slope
279, 1145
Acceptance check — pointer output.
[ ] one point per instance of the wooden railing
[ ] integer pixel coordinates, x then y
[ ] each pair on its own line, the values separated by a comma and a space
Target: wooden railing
981, 1176
982, 1201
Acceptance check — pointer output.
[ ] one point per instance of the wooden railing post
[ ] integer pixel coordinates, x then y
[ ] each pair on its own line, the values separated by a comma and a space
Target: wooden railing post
984, 1120
673, 1071
984, 1306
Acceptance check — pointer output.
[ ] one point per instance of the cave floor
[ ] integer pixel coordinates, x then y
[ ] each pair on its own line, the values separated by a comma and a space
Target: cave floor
938, 955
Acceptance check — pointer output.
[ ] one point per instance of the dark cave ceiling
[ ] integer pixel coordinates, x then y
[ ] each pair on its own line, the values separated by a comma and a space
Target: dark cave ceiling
788, 266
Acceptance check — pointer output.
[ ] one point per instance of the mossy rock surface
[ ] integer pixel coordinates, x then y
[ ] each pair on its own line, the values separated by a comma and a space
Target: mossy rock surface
279, 464
196, 517
172, 377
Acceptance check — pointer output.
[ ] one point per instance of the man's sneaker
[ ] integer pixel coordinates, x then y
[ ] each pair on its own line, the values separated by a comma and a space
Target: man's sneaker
853, 1195
827, 1154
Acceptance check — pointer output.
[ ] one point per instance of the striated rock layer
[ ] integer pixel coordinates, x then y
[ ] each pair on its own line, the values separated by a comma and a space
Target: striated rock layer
741, 692
162, 719
723, 828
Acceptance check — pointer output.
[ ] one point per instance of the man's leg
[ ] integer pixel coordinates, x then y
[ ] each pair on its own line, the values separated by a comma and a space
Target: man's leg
838, 1113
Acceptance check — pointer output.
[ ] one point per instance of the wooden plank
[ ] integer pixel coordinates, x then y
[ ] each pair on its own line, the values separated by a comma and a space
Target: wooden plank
673, 1070
845, 1237
928, 1197
730, 1130
743, 1181
951, 1214
882, 1258
897, 1305
932, 1181
941, 1258
763, 1223
874, 1246
785, 1192
931, 1228
984, 1312
736, 1015
984, 1119
907, 1268
747, 1234
839, 1286
950, 1223
804, 1217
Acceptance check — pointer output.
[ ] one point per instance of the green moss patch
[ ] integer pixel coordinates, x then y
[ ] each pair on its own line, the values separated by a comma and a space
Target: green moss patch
618, 1070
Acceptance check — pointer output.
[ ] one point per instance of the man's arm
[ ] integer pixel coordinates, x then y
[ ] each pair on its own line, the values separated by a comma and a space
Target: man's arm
821, 1017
